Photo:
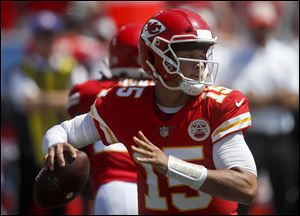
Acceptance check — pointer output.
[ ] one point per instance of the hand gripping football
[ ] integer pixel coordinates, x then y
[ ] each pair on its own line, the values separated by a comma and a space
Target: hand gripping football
56, 188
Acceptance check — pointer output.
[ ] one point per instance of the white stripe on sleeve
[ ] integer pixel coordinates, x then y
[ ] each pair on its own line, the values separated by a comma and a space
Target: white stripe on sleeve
234, 124
108, 133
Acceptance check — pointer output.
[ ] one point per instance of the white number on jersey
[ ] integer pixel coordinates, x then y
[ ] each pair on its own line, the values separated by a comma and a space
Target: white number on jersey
127, 91
155, 201
218, 93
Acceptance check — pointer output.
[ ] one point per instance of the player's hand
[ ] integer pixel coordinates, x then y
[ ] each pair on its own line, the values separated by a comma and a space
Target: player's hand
150, 153
56, 152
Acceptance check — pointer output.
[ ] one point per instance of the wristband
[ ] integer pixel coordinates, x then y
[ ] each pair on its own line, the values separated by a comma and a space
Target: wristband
190, 174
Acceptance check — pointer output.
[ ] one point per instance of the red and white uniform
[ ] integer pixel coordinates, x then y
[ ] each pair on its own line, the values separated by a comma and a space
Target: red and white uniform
82, 96
108, 163
188, 134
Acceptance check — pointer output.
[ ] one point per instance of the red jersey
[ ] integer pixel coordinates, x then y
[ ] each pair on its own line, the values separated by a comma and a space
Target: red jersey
83, 95
108, 163
188, 134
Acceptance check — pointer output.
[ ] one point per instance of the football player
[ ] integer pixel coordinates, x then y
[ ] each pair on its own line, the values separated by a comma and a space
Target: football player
117, 173
185, 134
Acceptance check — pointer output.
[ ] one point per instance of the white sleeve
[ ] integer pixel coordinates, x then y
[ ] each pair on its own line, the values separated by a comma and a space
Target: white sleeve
79, 131
233, 151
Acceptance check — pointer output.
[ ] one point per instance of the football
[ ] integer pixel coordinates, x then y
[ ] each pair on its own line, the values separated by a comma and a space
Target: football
56, 188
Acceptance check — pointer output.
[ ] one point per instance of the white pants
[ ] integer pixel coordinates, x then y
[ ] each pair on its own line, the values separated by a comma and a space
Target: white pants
116, 198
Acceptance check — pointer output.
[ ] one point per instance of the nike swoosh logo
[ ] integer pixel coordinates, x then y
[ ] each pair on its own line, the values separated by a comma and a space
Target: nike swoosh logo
238, 104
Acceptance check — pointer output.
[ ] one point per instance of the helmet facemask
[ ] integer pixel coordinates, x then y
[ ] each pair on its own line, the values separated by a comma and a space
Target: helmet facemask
204, 74
172, 64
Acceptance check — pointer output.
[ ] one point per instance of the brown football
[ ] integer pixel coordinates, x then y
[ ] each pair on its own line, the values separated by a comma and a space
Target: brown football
56, 188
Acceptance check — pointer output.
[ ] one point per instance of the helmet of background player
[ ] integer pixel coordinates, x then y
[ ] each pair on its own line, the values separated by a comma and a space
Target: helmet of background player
171, 30
124, 55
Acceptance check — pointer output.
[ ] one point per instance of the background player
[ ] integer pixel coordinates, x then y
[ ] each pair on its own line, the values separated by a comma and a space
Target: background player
117, 173
184, 115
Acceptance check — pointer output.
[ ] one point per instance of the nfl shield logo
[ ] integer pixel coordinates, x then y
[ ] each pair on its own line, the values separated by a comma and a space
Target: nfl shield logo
164, 131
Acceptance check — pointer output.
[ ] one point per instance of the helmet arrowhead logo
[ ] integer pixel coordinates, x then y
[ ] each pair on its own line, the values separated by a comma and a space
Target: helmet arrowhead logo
153, 27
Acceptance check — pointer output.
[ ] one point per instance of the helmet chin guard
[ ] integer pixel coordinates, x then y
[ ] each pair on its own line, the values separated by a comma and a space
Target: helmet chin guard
190, 89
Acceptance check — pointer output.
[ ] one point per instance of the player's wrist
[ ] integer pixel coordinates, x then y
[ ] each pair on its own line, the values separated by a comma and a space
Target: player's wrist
190, 174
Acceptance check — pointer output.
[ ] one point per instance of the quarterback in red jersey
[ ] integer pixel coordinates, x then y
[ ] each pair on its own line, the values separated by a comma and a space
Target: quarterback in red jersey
185, 134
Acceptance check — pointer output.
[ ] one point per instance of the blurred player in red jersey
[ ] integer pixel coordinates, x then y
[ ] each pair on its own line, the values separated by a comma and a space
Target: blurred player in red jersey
185, 134
117, 173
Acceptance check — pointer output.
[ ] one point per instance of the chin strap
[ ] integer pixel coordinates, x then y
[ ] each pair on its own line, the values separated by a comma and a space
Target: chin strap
190, 174
190, 89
